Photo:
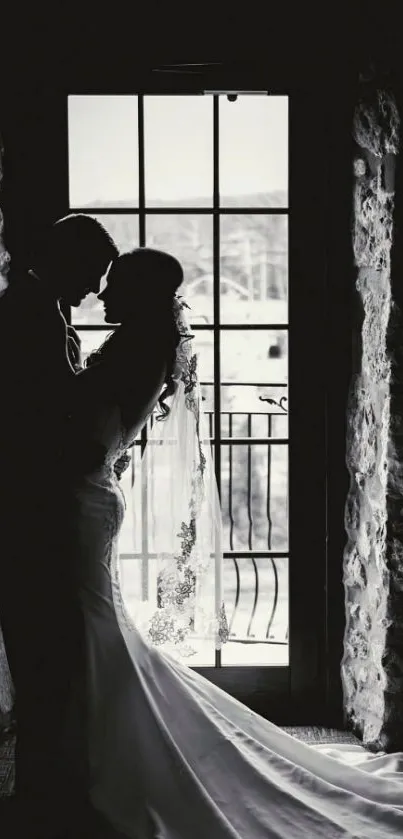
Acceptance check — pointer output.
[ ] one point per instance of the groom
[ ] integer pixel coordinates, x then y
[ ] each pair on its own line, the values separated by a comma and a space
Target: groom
38, 610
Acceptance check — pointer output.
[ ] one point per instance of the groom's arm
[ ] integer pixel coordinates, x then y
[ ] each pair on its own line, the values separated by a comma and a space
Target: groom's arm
74, 348
60, 355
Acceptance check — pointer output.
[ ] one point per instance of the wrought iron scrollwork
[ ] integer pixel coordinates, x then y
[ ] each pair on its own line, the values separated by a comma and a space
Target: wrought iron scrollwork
278, 404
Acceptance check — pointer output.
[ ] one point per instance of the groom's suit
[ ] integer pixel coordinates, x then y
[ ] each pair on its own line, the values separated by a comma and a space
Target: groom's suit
39, 612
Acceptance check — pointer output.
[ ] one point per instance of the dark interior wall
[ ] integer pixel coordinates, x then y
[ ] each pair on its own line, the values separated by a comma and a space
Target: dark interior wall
34, 187
52, 46
320, 354
54, 53
339, 281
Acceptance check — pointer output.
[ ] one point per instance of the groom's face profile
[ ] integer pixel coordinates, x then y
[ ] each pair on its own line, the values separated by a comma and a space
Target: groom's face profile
81, 280
73, 256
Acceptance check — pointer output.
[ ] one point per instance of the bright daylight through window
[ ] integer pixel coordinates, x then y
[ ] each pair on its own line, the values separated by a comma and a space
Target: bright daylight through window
206, 179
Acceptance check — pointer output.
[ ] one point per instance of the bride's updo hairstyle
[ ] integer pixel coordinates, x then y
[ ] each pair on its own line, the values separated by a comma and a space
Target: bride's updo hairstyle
150, 275
140, 281
140, 290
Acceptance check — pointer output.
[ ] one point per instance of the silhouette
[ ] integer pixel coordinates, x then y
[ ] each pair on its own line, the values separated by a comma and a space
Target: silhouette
38, 610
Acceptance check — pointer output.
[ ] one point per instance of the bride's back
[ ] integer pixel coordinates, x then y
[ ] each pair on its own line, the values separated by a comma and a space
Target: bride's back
114, 396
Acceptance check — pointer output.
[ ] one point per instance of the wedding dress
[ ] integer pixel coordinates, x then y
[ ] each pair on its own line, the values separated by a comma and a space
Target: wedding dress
171, 756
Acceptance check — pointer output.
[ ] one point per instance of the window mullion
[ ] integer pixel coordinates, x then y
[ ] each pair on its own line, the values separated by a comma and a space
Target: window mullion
216, 296
216, 310
140, 128
64, 307
142, 242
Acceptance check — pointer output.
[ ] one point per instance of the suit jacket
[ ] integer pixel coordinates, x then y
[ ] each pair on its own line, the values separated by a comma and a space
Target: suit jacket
34, 377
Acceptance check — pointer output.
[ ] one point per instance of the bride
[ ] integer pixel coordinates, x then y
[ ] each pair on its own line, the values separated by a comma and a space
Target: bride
169, 755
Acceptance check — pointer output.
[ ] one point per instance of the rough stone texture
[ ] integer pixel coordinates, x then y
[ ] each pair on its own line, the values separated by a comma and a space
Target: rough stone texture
4, 255
6, 687
6, 691
372, 666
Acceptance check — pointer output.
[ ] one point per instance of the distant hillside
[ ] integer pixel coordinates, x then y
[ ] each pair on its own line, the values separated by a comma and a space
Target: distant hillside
278, 198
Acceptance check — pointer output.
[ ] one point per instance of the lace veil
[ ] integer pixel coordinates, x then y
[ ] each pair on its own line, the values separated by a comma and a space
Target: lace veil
182, 606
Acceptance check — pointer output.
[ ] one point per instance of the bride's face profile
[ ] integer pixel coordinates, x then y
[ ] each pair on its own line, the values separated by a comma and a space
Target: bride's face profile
118, 295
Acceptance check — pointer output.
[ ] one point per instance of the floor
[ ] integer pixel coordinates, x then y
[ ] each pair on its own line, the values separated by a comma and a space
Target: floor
312, 734
6, 766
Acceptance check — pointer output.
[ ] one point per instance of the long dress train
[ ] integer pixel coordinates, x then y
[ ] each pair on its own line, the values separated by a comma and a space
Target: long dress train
171, 756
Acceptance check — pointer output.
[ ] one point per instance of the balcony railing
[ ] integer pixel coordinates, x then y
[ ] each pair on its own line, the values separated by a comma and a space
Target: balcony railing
254, 493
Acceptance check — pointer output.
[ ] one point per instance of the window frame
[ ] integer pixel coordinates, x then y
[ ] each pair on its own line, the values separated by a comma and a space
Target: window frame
297, 693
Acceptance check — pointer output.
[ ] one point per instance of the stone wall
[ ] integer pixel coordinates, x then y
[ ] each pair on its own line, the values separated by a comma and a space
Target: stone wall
4, 256
372, 666
6, 689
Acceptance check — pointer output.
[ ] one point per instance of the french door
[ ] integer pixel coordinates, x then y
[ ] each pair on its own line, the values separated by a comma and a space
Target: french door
212, 181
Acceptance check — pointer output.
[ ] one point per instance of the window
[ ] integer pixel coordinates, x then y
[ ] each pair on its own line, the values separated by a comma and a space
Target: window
207, 180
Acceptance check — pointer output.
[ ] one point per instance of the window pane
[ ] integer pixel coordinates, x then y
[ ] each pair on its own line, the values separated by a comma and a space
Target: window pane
259, 636
254, 151
103, 151
254, 496
190, 239
124, 230
248, 411
91, 340
203, 343
254, 356
254, 268
178, 139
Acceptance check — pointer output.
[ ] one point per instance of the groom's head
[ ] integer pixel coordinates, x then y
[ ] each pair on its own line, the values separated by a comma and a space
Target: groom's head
73, 256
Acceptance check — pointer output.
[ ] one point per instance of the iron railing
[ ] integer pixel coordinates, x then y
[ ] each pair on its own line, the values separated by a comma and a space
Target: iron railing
255, 579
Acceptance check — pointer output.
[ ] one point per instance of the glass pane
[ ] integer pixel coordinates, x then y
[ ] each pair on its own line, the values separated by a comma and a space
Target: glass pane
254, 268
259, 634
103, 151
254, 151
203, 343
254, 487
249, 411
259, 355
91, 340
190, 239
124, 230
178, 140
